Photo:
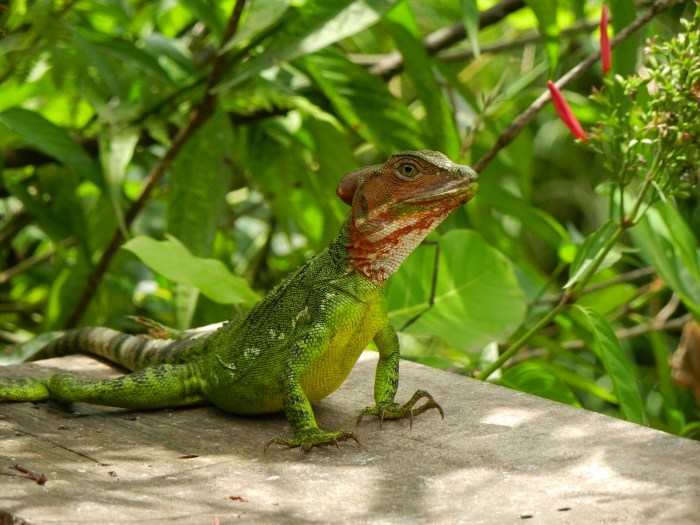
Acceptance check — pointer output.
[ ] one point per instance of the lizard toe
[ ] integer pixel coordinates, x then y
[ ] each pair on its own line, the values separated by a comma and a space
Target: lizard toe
314, 437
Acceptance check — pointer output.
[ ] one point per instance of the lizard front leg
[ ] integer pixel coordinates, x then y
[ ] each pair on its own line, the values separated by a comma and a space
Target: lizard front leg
297, 407
386, 382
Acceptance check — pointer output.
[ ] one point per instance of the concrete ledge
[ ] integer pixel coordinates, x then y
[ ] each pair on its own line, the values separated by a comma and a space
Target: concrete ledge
499, 457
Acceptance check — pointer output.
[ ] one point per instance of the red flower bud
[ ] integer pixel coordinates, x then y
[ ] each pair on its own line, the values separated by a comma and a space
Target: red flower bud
604, 40
564, 111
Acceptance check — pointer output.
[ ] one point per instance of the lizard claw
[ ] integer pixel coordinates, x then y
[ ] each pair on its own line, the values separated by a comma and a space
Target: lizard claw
314, 437
397, 411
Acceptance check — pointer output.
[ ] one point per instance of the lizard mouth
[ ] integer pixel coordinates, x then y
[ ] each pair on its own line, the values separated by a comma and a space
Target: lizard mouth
460, 190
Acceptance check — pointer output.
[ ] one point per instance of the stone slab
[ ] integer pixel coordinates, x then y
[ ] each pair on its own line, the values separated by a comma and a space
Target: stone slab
498, 457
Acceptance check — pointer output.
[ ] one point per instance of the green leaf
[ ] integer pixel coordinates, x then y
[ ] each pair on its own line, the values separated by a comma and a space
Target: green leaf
47, 219
364, 102
470, 16
477, 301
533, 219
334, 156
312, 26
682, 238
546, 13
134, 57
624, 56
438, 116
199, 178
53, 141
116, 150
209, 13
589, 250
172, 260
157, 45
537, 380
618, 366
261, 19
666, 243
579, 381
94, 55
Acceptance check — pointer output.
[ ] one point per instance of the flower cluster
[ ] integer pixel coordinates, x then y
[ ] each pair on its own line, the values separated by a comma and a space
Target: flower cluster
654, 129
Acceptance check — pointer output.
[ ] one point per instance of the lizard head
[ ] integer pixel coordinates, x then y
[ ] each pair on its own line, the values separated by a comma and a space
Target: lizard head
396, 204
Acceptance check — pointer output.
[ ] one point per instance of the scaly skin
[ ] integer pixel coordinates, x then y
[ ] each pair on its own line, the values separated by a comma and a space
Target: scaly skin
300, 342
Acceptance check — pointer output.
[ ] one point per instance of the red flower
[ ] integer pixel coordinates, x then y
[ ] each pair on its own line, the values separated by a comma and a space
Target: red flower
604, 41
564, 111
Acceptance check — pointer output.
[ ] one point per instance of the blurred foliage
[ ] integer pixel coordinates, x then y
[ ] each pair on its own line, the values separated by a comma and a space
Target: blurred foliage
92, 94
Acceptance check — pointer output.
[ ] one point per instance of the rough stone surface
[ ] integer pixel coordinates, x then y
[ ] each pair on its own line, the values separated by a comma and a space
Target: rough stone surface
499, 457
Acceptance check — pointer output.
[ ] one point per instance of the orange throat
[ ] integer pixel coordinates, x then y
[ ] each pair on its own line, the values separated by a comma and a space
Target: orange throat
377, 247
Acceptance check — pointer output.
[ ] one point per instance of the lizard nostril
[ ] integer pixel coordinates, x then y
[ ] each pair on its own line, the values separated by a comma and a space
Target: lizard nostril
465, 171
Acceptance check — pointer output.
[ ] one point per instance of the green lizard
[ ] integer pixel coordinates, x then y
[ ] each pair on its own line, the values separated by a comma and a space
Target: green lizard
299, 343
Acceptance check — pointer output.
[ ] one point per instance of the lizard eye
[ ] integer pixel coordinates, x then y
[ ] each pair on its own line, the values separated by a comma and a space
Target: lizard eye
407, 171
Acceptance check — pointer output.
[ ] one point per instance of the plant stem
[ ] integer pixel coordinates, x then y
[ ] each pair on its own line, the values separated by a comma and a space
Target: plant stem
570, 297
601, 285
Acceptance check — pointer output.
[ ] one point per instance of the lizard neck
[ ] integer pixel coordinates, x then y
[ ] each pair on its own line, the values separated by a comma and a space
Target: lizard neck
376, 249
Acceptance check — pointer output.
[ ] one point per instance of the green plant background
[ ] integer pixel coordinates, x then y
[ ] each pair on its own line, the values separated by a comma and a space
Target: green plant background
93, 92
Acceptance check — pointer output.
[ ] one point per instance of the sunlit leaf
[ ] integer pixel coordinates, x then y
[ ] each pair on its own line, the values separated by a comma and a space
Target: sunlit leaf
210, 276
116, 151
52, 140
200, 176
477, 301
310, 27
441, 128
537, 380
365, 103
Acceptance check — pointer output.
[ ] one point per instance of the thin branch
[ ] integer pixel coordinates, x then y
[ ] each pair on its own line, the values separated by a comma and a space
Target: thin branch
29, 263
448, 55
531, 37
655, 325
522, 120
622, 278
201, 113
445, 37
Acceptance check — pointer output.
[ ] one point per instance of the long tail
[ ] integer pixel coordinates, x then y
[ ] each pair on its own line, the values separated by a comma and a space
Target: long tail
130, 351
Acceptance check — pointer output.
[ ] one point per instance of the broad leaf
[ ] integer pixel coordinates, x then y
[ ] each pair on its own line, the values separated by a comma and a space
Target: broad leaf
669, 246
52, 140
589, 250
364, 103
307, 28
618, 366
532, 219
116, 150
438, 116
199, 179
470, 16
478, 299
537, 380
624, 56
210, 276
